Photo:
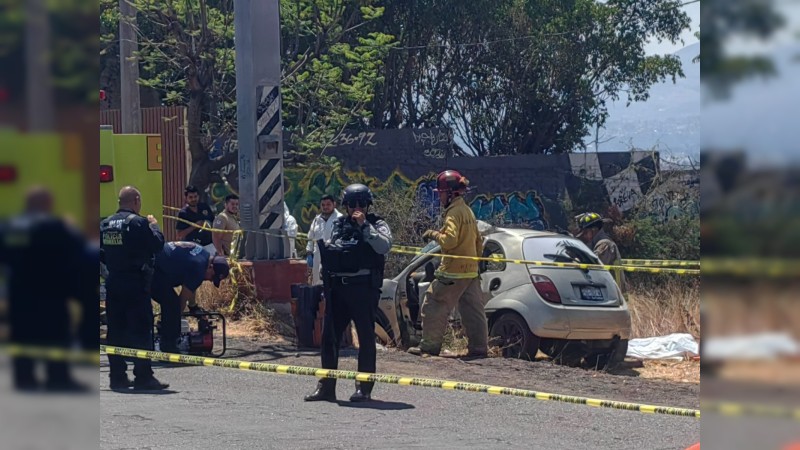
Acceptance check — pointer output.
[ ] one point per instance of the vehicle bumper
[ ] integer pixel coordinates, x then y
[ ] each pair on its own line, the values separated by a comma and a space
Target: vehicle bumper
559, 322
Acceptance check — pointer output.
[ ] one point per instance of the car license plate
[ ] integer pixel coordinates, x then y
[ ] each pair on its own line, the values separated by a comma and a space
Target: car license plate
591, 293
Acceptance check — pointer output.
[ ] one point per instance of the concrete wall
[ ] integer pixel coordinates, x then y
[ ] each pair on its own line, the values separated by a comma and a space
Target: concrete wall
526, 190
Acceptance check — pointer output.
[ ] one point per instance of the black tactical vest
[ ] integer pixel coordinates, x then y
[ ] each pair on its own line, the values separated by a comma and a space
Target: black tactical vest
121, 253
348, 252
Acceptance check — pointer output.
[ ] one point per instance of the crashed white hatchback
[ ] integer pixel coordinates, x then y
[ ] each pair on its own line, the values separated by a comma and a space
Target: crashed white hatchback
569, 313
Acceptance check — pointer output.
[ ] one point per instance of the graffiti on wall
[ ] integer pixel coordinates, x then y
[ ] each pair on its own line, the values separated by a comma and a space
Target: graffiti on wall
675, 198
667, 208
226, 179
518, 208
305, 188
513, 191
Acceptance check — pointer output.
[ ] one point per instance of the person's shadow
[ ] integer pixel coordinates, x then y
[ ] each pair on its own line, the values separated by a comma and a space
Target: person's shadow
141, 392
376, 404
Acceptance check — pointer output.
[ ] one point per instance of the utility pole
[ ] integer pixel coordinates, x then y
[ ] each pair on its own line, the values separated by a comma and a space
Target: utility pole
259, 127
129, 69
39, 96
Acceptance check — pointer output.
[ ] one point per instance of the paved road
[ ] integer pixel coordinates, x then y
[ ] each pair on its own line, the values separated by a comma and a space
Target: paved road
222, 408
48, 421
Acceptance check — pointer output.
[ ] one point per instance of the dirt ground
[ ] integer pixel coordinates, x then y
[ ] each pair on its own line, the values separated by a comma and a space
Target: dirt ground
632, 382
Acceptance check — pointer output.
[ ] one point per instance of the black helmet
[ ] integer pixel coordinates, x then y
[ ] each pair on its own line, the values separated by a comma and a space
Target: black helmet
588, 219
357, 194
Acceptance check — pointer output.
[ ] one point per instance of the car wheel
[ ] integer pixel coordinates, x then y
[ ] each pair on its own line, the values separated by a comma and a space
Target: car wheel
515, 336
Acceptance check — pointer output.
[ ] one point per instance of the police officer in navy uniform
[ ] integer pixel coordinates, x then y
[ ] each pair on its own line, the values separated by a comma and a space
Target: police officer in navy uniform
185, 265
129, 244
352, 273
42, 254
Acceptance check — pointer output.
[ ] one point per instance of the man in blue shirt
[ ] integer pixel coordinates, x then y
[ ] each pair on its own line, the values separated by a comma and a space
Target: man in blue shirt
184, 264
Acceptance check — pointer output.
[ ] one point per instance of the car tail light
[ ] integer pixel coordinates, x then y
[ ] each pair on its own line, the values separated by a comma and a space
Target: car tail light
545, 287
8, 174
106, 174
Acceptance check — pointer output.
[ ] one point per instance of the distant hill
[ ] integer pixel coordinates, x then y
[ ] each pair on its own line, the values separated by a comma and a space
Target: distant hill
670, 118
760, 116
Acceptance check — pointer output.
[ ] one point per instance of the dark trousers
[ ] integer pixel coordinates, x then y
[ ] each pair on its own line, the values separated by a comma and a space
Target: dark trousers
130, 323
39, 319
164, 294
343, 303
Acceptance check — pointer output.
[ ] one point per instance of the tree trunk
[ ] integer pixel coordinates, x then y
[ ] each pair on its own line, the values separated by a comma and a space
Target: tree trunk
199, 176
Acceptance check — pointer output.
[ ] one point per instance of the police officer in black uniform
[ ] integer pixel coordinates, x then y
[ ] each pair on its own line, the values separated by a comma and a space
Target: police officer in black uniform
42, 253
129, 243
352, 275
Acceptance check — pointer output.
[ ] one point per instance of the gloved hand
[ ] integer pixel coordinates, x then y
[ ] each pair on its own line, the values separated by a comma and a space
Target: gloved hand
310, 260
429, 235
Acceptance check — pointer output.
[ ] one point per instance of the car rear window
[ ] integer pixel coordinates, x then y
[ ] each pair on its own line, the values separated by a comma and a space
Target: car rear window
558, 249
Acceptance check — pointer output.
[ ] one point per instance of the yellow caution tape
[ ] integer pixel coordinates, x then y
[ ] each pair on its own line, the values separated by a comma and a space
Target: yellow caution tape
218, 230
771, 267
738, 410
626, 266
51, 353
396, 379
418, 250
660, 262
406, 250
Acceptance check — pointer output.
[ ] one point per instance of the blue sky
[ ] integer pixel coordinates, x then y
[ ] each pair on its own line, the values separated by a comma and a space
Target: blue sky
761, 116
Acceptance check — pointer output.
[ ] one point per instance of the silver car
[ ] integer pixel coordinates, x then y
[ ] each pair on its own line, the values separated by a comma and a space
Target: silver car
570, 314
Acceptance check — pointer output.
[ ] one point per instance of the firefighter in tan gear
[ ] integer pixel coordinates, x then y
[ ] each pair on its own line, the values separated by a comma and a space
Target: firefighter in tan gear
457, 281
593, 235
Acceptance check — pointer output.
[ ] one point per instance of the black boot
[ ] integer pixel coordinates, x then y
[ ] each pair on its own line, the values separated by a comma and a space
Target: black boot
149, 384
363, 392
326, 391
120, 383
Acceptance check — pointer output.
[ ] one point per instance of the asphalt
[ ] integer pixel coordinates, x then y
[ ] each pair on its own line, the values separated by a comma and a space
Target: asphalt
209, 407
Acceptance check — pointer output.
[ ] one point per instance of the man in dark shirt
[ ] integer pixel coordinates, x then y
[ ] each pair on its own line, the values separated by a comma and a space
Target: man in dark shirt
184, 264
199, 214
40, 252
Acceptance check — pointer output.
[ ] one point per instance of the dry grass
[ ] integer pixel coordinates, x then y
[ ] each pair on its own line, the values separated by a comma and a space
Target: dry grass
745, 306
247, 316
779, 372
661, 305
680, 371
408, 220
455, 341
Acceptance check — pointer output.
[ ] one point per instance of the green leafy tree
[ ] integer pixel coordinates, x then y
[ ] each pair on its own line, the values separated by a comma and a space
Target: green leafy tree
726, 19
522, 76
72, 45
331, 66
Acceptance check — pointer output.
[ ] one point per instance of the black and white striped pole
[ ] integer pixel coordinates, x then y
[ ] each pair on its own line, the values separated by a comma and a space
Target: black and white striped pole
258, 114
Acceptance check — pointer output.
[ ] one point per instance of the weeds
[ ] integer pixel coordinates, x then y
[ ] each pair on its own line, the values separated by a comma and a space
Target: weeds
667, 304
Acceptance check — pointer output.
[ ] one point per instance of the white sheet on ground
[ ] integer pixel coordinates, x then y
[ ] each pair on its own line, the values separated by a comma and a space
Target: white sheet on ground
672, 346
754, 346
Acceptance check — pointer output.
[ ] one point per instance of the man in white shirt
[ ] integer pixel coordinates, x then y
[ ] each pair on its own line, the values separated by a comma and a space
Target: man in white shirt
321, 228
